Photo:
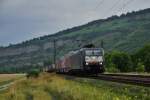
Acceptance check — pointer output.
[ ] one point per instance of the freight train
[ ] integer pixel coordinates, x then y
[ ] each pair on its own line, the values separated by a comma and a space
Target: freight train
83, 61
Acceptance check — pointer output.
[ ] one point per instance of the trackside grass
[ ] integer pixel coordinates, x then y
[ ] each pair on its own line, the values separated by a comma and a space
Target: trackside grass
7, 79
56, 87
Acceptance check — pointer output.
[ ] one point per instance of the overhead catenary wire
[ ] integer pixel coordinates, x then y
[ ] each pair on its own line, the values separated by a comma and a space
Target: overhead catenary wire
94, 9
125, 5
112, 7
115, 4
99, 4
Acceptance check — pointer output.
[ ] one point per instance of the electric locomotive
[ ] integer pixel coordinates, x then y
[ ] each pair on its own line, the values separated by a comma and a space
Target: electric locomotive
85, 60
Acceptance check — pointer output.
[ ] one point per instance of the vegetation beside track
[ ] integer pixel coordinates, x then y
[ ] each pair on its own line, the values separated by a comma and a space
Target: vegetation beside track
55, 87
7, 79
139, 61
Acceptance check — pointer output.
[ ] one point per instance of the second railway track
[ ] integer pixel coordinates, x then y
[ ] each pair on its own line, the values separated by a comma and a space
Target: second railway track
130, 79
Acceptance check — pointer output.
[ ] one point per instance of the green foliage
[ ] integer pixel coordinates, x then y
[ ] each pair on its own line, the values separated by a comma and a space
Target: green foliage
140, 67
21, 69
53, 87
143, 56
33, 73
139, 61
112, 69
47, 62
120, 60
147, 62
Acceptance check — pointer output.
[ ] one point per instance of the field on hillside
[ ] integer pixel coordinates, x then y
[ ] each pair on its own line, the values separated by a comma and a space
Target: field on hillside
55, 87
6, 79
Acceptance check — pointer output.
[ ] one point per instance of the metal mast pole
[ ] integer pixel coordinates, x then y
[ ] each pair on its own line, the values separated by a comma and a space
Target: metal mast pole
54, 53
102, 44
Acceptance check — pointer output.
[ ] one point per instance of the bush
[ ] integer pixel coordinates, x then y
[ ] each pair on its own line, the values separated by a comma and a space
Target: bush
144, 56
112, 68
33, 73
119, 60
122, 61
140, 67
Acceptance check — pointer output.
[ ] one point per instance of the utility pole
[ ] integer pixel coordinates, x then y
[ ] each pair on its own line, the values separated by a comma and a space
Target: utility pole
54, 60
102, 44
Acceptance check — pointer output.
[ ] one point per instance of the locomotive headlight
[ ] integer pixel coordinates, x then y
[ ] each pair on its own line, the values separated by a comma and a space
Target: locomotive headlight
100, 63
87, 63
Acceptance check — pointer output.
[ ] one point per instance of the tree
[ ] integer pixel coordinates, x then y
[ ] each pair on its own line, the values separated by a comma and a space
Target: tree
122, 61
143, 56
147, 62
33, 73
140, 67
47, 62
118, 61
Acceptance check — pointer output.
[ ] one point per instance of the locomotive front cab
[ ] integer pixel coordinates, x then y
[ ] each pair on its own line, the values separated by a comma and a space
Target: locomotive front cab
94, 60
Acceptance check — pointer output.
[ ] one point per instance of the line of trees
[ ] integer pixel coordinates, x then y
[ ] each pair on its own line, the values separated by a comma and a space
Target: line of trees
117, 61
21, 69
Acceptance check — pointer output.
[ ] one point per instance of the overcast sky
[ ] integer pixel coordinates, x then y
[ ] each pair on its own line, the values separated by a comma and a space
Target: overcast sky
25, 19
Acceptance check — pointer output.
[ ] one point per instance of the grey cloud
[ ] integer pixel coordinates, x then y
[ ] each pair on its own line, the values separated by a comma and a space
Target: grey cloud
25, 19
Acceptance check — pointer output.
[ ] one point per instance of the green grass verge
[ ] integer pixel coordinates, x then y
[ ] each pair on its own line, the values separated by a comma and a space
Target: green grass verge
55, 87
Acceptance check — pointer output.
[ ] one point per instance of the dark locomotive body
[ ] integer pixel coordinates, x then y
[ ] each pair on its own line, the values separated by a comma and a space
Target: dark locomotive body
85, 60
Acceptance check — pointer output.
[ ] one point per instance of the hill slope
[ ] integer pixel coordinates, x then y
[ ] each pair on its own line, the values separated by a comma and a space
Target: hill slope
126, 33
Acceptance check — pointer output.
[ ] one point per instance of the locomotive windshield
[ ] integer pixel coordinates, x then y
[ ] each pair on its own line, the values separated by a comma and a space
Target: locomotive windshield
94, 55
93, 52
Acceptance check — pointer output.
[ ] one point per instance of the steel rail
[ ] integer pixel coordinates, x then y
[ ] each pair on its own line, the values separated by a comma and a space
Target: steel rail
140, 80
127, 75
129, 79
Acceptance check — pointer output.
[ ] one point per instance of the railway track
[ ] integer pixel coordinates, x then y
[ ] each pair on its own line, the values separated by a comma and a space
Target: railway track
142, 80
